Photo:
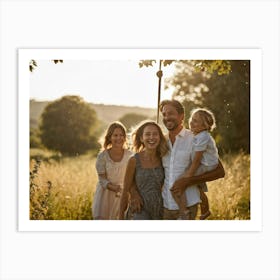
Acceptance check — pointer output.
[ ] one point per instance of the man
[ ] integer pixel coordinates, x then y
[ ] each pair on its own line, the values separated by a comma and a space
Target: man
175, 163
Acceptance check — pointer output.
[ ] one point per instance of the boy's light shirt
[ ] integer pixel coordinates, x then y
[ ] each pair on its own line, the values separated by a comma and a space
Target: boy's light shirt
203, 141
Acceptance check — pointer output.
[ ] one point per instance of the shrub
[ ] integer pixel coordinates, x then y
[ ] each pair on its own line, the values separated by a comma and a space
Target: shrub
68, 126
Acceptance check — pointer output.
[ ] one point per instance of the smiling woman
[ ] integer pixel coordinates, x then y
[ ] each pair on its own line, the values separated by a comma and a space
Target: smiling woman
110, 166
145, 173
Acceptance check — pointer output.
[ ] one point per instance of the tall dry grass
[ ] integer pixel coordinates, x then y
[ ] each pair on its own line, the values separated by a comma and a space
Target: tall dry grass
67, 186
63, 189
229, 197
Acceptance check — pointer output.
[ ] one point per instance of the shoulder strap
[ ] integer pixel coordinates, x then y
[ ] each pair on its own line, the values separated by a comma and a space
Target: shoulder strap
137, 158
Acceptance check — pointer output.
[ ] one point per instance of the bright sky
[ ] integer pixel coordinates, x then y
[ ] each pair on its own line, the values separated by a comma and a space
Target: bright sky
118, 82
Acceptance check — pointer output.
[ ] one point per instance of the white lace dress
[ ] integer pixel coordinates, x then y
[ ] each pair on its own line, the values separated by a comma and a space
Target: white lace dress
105, 202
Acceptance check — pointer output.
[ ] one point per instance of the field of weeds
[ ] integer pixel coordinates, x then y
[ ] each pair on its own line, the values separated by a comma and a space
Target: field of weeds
63, 188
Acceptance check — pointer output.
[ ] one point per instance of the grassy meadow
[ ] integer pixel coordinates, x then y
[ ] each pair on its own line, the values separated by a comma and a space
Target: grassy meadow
229, 198
63, 188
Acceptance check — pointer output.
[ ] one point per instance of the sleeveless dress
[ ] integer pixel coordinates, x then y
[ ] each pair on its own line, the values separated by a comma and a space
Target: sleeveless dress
149, 182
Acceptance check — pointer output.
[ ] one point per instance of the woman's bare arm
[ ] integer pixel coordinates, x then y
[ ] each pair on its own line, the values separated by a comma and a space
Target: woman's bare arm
128, 182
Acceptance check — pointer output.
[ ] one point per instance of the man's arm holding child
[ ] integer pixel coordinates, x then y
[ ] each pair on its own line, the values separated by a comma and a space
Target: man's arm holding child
182, 183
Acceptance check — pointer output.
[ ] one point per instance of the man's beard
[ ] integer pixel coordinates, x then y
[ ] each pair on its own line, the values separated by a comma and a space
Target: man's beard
174, 125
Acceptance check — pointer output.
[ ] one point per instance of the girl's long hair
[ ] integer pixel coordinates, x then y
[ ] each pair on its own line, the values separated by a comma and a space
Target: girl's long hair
109, 132
138, 146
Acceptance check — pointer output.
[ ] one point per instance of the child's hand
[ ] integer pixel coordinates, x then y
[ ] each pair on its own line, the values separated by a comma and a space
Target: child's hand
114, 188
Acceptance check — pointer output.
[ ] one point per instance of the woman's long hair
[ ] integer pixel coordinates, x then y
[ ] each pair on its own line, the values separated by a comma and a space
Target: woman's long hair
138, 145
109, 132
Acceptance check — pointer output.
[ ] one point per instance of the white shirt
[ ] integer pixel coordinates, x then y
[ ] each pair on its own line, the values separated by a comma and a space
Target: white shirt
203, 141
175, 163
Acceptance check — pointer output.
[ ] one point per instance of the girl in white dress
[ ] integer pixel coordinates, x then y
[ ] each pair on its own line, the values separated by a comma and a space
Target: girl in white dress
204, 157
110, 166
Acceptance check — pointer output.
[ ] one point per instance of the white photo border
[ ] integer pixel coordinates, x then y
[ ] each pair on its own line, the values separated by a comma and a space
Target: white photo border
255, 57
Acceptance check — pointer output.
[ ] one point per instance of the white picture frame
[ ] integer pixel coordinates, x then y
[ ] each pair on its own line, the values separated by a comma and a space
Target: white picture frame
185, 24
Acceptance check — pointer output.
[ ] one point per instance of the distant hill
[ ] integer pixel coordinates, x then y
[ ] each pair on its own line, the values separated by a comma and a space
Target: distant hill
105, 113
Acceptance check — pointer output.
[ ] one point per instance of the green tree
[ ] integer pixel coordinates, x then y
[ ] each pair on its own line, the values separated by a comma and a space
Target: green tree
35, 141
221, 67
228, 96
131, 119
68, 126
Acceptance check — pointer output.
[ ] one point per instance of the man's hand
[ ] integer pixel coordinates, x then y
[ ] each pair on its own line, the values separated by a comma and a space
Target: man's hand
179, 186
182, 183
